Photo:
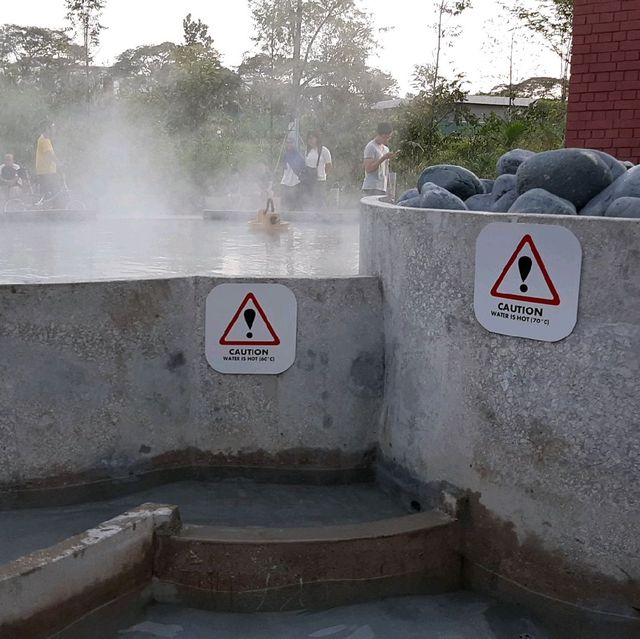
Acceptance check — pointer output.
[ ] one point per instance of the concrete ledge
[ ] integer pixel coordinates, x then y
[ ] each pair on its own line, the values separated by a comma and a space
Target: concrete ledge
542, 438
231, 569
45, 591
347, 216
124, 364
66, 491
53, 214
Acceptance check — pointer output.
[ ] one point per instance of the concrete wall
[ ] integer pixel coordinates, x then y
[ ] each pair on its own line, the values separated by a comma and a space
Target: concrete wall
544, 437
104, 379
604, 94
45, 591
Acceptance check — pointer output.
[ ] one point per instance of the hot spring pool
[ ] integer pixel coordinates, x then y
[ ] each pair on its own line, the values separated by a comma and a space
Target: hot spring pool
34, 249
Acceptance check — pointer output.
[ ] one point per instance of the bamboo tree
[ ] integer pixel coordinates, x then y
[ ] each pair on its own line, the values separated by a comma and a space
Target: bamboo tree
552, 20
84, 16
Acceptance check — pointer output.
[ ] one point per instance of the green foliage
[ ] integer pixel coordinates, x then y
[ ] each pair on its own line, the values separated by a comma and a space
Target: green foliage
311, 44
478, 145
178, 122
36, 55
535, 87
423, 123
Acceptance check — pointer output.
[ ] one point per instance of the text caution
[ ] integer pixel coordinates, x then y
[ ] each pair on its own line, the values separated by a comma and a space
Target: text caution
527, 281
250, 329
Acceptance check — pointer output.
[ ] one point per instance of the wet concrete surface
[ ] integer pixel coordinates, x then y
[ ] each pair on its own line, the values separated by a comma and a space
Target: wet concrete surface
34, 249
224, 503
458, 615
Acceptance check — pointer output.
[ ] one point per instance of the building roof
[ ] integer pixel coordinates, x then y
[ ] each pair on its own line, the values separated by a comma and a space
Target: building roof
471, 100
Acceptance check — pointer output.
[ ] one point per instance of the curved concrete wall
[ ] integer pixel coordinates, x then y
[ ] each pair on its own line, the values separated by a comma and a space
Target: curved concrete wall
109, 379
544, 437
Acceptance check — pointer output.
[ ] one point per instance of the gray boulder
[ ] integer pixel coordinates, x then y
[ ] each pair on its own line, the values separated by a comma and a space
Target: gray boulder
435, 197
504, 184
624, 207
627, 185
482, 202
628, 165
503, 204
509, 163
413, 202
455, 179
488, 184
541, 201
407, 195
616, 167
577, 175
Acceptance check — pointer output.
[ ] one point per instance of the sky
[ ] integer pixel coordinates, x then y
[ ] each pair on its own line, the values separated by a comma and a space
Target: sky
479, 52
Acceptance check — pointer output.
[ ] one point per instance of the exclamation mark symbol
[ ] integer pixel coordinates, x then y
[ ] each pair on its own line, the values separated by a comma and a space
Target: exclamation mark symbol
249, 318
524, 266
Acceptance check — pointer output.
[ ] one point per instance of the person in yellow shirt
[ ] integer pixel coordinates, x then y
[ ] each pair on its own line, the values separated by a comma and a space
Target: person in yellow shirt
46, 162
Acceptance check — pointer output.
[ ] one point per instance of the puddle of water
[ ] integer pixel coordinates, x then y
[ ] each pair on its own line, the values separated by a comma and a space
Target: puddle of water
458, 615
103, 249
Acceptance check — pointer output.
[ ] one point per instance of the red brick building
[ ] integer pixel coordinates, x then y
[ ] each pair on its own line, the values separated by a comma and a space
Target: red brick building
604, 94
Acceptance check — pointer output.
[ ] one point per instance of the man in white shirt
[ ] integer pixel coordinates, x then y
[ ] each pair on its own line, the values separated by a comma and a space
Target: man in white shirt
318, 164
376, 161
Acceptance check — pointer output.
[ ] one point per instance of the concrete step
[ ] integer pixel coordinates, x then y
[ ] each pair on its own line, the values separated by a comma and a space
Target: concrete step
236, 502
245, 569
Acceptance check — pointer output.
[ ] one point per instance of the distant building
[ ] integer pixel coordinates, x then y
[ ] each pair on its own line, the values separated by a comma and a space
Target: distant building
481, 106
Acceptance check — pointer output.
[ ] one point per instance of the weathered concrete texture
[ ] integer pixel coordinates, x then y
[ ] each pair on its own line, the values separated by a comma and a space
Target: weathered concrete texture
49, 589
220, 503
106, 379
261, 569
328, 401
546, 436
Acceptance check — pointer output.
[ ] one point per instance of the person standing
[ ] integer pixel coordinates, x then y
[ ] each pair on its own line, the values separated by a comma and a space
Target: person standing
46, 162
376, 161
294, 166
318, 164
9, 175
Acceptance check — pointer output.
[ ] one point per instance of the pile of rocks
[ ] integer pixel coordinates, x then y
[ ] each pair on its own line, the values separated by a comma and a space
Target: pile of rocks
560, 182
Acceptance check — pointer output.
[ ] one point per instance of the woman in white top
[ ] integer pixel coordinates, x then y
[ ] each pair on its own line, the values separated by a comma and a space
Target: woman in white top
318, 164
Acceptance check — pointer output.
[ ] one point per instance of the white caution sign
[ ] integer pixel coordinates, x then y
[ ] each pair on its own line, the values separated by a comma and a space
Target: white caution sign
251, 329
528, 280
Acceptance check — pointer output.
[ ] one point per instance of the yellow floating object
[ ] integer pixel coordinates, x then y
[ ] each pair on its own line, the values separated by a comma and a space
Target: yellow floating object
268, 220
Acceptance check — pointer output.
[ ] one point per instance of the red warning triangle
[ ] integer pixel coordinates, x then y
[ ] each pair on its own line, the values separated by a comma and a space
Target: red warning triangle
239, 317
496, 291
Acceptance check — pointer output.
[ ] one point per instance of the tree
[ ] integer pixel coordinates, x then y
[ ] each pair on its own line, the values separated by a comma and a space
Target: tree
301, 33
440, 102
314, 58
536, 87
84, 16
552, 20
199, 85
438, 110
34, 54
144, 63
446, 30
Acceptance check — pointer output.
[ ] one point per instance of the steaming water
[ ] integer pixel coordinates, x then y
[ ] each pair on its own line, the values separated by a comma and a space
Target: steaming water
39, 250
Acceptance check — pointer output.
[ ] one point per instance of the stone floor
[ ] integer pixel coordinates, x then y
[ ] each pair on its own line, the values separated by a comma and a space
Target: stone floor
227, 503
456, 616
